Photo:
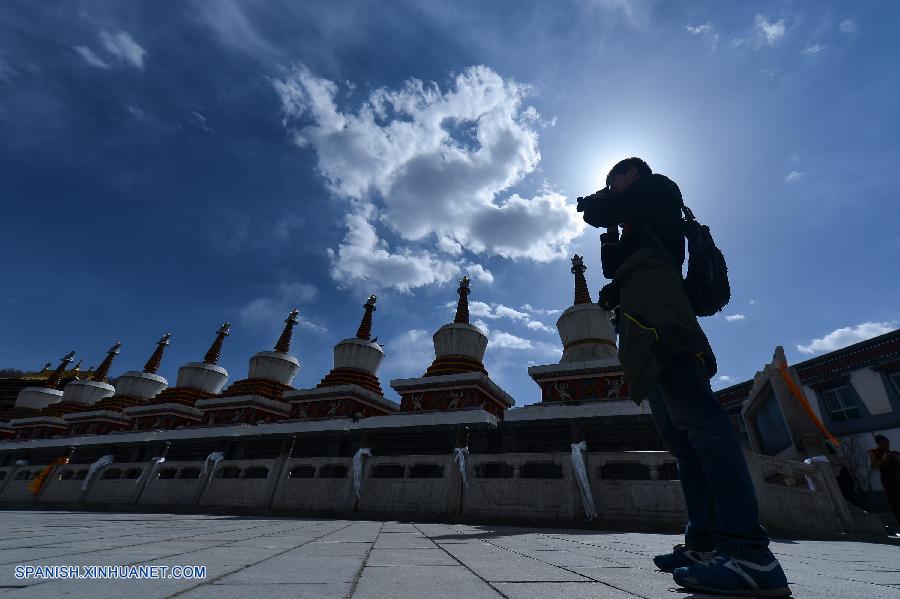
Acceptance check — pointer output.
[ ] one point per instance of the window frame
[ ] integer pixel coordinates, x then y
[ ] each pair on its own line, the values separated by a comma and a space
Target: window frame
845, 401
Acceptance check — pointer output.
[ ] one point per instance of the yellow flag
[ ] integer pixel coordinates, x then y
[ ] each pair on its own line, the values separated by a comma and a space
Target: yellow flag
35, 485
801, 399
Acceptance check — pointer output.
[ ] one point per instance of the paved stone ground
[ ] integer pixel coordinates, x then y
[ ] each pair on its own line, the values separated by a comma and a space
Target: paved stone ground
325, 559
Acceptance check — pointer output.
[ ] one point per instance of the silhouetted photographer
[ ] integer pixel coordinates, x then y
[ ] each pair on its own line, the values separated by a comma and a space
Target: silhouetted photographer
668, 360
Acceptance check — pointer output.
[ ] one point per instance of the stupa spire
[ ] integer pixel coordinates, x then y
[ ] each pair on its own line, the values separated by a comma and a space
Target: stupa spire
56, 377
462, 307
284, 342
582, 295
212, 356
103, 370
153, 363
365, 326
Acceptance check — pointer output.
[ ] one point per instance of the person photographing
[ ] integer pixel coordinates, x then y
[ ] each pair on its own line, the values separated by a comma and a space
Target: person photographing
668, 360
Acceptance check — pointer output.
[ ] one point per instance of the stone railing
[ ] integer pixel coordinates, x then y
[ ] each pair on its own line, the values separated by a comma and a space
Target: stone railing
797, 496
632, 489
637, 488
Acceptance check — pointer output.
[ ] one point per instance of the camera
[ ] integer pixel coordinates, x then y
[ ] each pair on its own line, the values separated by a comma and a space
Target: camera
591, 206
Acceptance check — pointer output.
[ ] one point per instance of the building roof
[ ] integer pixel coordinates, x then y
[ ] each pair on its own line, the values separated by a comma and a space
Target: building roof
881, 350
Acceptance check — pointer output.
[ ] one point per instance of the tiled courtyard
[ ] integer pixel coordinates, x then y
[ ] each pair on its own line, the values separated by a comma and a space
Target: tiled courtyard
324, 559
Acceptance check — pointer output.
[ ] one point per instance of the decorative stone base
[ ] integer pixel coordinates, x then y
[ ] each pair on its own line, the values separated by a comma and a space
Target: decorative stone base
97, 422
595, 380
341, 401
39, 427
243, 409
266, 388
162, 416
452, 392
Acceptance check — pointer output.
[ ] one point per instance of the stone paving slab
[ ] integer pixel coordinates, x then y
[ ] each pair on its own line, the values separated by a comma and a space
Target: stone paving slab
344, 559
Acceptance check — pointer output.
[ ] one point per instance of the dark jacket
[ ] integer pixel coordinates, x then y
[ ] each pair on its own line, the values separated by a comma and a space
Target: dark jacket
652, 203
656, 319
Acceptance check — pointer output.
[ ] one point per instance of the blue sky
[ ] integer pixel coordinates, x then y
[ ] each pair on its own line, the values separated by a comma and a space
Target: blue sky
167, 170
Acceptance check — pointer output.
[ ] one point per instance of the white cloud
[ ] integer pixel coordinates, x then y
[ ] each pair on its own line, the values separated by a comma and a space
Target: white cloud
495, 311
89, 57
753, 302
706, 30
813, 49
540, 311
734, 317
364, 258
770, 31
269, 312
700, 29
478, 272
540, 326
847, 336
504, 340
724, 378
435, 164
408, 354
449, 246
124, 48
792, 176
849, 26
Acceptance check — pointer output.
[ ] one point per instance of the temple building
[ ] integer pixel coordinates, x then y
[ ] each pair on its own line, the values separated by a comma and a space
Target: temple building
850, 394
175, 407
133, 388
351, 389
454, 447
589, 369
258, 398
50, 406
456, 379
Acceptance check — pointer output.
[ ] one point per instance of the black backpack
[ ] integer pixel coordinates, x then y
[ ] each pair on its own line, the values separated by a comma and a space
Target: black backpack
706, 282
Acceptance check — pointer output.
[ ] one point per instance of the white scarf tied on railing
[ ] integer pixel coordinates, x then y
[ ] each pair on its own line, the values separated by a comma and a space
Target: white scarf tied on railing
459, 456
103, 461
358, 466
578, 467
156, 463
213, 459
816, 458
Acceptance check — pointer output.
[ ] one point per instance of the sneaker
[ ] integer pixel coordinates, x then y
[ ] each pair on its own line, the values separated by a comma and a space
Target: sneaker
682, 556
731, 576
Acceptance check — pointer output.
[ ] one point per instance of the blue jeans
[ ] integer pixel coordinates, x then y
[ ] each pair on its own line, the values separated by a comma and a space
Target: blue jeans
722, 509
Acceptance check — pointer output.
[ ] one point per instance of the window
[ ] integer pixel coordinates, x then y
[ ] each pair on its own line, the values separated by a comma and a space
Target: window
387, 471
541, 470
189, 473
742, 429
133, 473
111, 473
256, 472
166, 473
426, 471
771, 429
895, 378
840, 404
302, 471
333, 471
625, 471
228, 472
494, 470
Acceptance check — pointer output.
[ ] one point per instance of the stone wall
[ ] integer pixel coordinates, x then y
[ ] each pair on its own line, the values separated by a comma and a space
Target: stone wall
637, 489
